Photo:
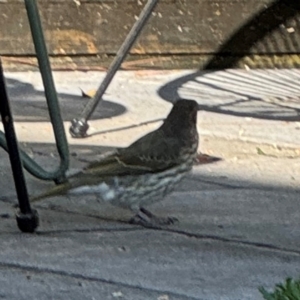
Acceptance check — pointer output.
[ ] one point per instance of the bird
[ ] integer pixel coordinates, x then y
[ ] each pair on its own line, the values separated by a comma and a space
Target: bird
144, 172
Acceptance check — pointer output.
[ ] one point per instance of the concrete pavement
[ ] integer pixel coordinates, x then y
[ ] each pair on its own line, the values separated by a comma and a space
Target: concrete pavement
239, 217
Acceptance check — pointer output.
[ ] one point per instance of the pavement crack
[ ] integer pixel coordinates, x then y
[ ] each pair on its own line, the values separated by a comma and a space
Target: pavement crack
88, 230
77, 276
260, 245
7, 199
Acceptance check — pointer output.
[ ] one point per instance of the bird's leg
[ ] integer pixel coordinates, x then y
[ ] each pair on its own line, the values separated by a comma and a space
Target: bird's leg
146, 218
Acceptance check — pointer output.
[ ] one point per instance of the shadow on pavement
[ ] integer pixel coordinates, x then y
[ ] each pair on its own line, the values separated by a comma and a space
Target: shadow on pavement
29, 105
248, 37
263, 94
234, 235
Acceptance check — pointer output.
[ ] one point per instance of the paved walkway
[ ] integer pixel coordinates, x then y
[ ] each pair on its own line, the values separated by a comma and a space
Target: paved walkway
239, 217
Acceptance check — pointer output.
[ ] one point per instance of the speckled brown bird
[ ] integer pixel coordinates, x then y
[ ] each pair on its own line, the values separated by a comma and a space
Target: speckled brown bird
144, 172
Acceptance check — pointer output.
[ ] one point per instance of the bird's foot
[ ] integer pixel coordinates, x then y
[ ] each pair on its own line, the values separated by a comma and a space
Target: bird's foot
147, 219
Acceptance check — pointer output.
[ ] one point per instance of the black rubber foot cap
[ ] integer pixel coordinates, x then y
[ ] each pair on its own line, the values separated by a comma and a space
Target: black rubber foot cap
79, 128
28, 222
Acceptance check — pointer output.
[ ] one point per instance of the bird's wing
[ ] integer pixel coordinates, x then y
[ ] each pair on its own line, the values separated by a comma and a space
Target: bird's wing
152, 153
156, 151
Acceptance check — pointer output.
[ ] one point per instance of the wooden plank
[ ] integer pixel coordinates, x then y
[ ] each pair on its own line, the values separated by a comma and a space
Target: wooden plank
137, 62
176, 27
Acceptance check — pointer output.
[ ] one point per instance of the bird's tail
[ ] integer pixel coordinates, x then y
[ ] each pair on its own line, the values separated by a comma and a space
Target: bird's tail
57, 190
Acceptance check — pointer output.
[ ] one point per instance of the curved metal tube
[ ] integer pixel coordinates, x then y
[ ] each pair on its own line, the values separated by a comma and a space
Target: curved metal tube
54, 111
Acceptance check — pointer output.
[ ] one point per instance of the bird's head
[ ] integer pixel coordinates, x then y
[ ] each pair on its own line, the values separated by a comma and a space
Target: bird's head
182, 117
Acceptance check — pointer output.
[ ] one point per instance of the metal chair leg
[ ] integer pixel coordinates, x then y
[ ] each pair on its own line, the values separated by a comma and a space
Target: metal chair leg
79, 126
27, 218
30, 165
